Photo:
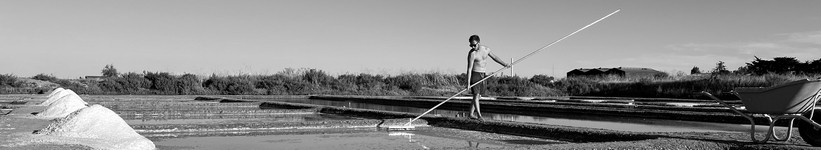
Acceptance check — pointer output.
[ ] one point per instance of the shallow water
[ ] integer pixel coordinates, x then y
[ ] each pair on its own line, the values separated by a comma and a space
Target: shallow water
237, 119
231, 126
363, 138
212, 128
601, 122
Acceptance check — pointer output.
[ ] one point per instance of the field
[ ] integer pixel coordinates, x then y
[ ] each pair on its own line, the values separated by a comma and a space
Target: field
255, 121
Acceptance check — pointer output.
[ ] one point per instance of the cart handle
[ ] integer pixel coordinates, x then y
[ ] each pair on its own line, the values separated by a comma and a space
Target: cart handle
749, 117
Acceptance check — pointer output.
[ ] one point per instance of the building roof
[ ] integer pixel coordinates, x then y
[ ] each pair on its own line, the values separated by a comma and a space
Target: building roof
631, 69
626, 70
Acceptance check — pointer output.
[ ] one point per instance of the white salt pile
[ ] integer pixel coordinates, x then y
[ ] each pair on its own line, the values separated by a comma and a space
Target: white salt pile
100, 124
57, 96
55, 91
62, 107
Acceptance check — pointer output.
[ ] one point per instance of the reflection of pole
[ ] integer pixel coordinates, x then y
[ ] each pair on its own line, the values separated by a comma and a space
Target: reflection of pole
410, 138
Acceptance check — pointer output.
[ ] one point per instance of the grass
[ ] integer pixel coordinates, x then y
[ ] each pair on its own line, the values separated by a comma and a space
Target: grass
673, 87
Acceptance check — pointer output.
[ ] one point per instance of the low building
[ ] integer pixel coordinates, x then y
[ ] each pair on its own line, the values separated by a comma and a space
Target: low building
95, 78
620, 71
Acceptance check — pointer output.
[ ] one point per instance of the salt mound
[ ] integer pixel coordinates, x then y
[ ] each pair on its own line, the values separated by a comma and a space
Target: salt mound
101, 124
57, 96
55, 91
62, 107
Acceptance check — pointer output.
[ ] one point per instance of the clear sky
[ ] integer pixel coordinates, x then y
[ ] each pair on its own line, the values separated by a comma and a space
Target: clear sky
76, 38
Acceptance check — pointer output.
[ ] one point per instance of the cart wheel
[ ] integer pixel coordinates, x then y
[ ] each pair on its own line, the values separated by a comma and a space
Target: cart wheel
808, 132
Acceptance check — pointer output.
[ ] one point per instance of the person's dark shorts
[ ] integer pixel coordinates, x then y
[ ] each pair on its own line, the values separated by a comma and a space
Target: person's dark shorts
479, 88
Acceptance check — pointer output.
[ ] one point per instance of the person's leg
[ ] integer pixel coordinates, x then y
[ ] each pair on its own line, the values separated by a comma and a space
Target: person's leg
480, 89
476, 104
475, 92
473, 106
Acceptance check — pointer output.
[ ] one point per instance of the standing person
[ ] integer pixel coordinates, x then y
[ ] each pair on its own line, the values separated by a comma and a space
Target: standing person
477, 62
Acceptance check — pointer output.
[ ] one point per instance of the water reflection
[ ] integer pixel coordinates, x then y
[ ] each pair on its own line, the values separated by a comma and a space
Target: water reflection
472, 144
217, 119
410, 138
334, 139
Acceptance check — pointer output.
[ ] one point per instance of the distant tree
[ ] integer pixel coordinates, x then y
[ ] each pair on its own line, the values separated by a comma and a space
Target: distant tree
779, 65
695, 70
317, 77
787, 65
742, 70
720, 68
813, 67
109, 71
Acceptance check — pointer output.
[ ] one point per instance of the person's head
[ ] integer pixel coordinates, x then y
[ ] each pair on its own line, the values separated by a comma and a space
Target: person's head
474, 39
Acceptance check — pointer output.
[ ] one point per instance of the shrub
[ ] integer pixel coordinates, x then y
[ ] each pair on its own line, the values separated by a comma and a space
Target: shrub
8, 80
517, 86
111, 85
366, 84
577, 85
408, 82
462, 79
188, 84
133, 82
163, 82
44, 77
317, 77
541, 79
273, 85
371, 83
230, 85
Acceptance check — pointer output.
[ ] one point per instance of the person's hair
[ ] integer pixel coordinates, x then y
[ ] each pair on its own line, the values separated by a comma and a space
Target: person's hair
474, 38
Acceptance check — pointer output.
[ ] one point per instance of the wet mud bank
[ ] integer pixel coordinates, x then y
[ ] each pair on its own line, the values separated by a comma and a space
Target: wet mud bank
547, 107
563, 133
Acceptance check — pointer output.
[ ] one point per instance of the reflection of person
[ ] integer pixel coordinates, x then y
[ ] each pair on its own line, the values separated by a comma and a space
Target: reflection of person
477, 60
472, 144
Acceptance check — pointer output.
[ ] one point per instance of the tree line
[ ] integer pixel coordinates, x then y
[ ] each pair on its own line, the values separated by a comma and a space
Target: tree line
294, 82
778, 65
759, 73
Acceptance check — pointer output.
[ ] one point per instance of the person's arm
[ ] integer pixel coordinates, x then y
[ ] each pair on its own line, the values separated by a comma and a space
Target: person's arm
498, 60
470, 67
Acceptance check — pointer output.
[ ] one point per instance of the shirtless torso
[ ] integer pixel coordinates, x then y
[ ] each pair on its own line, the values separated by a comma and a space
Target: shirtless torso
479, 57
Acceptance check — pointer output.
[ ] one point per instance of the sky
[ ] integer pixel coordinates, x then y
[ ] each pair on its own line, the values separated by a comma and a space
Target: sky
71, 39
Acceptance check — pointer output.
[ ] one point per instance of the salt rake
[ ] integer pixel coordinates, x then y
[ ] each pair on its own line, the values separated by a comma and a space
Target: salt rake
408, 126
